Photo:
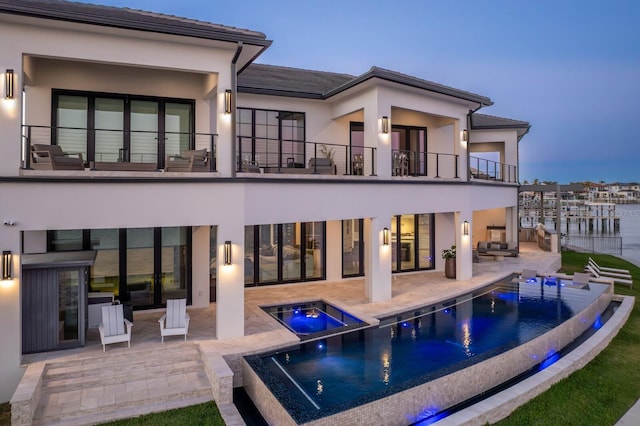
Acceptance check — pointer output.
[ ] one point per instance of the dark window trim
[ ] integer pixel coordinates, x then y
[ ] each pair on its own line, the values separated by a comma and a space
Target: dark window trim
397, 268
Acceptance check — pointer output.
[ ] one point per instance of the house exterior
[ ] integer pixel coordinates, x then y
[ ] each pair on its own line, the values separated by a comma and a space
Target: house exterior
149, 157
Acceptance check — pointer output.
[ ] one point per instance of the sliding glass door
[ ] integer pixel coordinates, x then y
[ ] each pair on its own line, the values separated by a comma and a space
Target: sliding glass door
122, 128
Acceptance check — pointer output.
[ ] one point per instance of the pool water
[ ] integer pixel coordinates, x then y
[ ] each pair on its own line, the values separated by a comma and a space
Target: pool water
330, 375
313, 319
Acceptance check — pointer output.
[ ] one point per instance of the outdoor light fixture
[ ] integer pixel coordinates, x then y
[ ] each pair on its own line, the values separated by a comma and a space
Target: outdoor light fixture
227, 101
385, 236
6, 265
227, 253
465, 135
8, 84
465, 227
385, 124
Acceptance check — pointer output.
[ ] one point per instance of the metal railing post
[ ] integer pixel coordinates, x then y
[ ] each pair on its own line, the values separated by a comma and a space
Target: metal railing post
457, 162
437, 165
27, 149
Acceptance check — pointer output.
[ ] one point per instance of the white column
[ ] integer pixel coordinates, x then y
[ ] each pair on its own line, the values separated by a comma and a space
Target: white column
373, 137
223, 123
230, 282
200, 280
10, 332
511, 219
377, 281
464, 261
334, 250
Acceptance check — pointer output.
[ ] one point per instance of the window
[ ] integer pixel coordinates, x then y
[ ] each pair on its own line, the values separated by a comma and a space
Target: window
352, 248
412, 242
287, 252
270, 138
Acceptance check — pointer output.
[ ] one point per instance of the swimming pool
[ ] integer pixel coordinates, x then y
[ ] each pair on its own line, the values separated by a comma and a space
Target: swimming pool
309, 320
428, 359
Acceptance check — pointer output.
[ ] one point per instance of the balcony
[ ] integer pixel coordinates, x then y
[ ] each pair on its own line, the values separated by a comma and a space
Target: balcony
50, 148
426, 164
279, 156
480, 168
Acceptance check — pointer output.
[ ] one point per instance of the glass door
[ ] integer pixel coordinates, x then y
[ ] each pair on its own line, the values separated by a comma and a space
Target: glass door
71, 124
68, 306
144, 138
357, 148
109, 134
140, 266
177, 128
173, 268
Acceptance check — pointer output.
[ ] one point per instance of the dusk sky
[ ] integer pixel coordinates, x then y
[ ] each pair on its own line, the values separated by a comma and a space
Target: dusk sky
570, 68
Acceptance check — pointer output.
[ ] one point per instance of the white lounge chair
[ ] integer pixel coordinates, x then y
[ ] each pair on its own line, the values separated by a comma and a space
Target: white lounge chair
613, 272
176, 321
112, 327
617, 280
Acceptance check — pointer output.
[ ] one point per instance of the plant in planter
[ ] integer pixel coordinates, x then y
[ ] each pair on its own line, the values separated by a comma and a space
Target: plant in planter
449, 256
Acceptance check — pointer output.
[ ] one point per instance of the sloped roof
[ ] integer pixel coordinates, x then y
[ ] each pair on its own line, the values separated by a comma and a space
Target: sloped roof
126, 18
489, 122
283, 81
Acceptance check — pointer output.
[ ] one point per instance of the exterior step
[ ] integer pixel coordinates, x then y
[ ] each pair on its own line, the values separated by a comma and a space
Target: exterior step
122, 384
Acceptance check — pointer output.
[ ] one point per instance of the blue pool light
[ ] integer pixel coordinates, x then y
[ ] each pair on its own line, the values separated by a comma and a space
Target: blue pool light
550, 281
532, 280
552, 357
320, 346
429, 416
405, 324
598, 322
446, 310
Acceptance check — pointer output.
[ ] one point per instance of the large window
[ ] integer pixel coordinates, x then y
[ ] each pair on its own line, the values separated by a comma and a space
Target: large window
143, 266
412, 242
352, 247
287, 252
110, 128
270, 138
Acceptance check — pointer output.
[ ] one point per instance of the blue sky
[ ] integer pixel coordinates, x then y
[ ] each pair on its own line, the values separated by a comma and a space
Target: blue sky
570, 68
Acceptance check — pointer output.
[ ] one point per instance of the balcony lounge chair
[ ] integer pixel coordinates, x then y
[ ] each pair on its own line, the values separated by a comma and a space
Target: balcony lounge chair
112, 326
52, 157
188, 161
176, 321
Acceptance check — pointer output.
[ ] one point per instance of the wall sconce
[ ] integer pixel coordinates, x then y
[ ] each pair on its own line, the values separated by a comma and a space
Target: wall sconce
465, 135
9, 80
465, 227
385, 124
227, 101
6, 265
385, 237
227, 253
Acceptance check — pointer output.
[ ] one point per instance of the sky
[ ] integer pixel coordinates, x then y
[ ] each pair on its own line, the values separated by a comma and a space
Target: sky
571, 68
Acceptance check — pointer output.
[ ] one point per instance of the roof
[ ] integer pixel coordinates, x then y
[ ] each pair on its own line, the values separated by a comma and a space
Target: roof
490, 122
295, 82
284, 81
118, 17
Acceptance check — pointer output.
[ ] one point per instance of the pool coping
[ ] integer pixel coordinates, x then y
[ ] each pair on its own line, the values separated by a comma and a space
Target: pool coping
500, 405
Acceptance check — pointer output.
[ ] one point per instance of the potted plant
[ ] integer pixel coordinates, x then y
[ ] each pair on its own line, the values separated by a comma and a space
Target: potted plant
449, 256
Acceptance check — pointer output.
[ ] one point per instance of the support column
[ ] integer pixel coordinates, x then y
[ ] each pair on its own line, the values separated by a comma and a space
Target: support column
374, 137
377, 282
230, 283
464, 261
10, 308
334, 250
200, 269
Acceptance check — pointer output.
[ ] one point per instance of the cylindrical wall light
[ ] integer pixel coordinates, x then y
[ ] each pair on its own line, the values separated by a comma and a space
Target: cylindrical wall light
385, 237
9, 82
465, 227
6, 265
227, 101
465, 135
227, 253
385, 124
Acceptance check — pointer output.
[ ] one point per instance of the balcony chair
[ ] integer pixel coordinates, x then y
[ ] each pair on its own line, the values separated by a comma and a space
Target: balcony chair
400, 164
188, 161
322, 166
112, 326
176, 321
358, 165
52, 157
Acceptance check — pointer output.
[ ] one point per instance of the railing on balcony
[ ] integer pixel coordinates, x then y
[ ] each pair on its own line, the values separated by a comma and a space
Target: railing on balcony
135, 150
480, 168
429, 164
298, 157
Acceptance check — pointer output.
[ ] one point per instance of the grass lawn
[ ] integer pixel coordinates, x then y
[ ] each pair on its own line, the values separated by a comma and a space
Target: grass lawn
196, 415
601, 392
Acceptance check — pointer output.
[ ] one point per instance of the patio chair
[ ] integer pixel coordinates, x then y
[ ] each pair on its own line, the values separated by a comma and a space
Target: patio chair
400, 164
52, 157
628, 281
612, 272
358, 165
112, 327
188, 161
176, 321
